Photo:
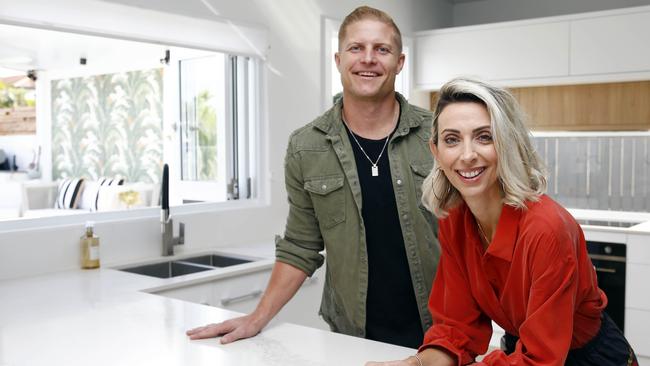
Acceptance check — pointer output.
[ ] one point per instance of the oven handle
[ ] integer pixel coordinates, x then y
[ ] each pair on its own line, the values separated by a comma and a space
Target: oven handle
612, 258
605, 270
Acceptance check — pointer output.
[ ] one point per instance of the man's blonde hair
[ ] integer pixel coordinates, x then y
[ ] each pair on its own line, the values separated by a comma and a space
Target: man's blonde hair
366, 12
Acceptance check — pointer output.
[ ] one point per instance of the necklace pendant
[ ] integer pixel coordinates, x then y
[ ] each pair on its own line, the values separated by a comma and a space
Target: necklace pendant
375, 171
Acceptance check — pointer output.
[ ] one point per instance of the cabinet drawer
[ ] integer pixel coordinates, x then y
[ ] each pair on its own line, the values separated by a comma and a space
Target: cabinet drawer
240, 293
198, 294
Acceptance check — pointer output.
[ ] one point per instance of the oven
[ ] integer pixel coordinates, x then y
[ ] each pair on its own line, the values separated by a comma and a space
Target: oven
609, 260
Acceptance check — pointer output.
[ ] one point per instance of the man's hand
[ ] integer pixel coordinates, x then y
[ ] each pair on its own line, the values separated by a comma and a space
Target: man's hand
230, 330
284, 283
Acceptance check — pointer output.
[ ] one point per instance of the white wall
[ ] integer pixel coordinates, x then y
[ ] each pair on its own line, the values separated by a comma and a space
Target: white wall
293, 99
491, 11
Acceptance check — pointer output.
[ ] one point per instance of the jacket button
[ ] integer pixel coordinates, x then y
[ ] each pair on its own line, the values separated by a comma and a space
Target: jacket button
399, 182
324, 187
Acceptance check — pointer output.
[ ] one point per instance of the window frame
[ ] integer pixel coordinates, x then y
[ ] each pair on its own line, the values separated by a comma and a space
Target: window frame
129, 23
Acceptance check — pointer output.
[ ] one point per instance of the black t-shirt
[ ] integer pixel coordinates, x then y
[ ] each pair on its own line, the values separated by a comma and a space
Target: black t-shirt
391, 310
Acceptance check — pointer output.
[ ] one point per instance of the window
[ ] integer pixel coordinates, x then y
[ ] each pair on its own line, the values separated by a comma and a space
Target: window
216, 129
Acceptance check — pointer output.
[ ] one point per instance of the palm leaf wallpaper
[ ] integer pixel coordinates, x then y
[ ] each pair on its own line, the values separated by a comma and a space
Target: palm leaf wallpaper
108, 125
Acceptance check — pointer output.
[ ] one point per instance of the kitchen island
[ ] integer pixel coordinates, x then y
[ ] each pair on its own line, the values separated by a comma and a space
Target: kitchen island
106, 317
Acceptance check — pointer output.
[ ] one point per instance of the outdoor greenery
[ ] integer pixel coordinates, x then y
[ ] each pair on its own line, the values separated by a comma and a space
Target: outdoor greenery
14, 97
207, 120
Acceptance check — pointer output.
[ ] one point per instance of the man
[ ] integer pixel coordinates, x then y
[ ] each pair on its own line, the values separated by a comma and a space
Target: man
353, 180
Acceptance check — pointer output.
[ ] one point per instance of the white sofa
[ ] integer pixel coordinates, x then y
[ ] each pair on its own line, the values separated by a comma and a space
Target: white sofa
10, 194
39, 198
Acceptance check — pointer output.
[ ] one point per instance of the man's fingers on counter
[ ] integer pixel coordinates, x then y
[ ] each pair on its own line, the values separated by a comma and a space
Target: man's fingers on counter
235, 334
208, 331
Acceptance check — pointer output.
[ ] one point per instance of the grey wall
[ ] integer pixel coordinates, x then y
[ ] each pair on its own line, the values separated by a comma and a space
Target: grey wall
490, 11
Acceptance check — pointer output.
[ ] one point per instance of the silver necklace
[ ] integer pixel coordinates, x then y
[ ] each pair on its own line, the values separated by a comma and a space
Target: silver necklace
374, 169
480, 230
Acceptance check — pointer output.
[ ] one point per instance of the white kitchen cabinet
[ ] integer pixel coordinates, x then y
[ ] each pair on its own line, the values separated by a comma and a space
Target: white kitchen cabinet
611, 44
503, 52
197, 293
242, 292
637, 294
637, 307
605, 46
239, 293
637, 331
303, 308
638, 248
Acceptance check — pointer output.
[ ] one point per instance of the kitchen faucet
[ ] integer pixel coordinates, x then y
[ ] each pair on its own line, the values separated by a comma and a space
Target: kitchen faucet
166, 222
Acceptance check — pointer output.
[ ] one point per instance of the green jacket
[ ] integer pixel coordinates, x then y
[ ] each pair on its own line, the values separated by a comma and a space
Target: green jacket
325, 213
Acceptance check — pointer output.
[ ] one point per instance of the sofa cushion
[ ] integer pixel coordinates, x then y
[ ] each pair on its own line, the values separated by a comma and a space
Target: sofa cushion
68, 193
124, 197
90, 195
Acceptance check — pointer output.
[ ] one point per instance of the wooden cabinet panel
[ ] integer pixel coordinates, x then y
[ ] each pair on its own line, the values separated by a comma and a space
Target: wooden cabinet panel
589, 107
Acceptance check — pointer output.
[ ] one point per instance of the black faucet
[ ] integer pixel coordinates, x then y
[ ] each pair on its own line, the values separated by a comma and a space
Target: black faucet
166, 222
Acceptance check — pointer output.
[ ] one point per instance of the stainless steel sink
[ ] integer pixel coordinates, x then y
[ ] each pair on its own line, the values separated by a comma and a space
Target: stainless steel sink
184, 266
216, 260
167, 269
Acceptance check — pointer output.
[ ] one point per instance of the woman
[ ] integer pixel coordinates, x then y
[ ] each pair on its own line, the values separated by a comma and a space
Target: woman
510, 254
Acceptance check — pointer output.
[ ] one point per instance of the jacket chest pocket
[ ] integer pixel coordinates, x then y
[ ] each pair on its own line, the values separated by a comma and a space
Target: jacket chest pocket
328, 198
420, 172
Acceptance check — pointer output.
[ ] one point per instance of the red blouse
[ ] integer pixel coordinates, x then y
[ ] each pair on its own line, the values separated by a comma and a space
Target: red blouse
535, 280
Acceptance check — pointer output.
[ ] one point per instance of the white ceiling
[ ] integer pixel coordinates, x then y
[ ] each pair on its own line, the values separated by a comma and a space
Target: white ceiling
59, 53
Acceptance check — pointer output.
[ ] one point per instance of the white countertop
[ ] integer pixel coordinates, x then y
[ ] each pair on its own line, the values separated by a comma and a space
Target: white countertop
105, 317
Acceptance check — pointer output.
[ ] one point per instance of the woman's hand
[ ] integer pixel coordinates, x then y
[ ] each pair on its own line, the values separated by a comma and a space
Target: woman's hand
428, 357
411, 361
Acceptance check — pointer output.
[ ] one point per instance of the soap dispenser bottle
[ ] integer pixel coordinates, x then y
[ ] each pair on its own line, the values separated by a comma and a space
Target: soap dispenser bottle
89, 248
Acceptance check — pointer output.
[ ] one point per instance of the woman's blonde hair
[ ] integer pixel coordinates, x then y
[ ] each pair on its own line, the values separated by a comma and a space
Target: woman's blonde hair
520, 171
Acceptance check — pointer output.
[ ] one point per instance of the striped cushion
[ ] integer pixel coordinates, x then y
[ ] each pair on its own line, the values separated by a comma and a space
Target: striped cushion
68, 193
105, 182
90, 195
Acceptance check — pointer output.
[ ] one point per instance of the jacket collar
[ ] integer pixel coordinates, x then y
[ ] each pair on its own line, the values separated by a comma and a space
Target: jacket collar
331, 122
